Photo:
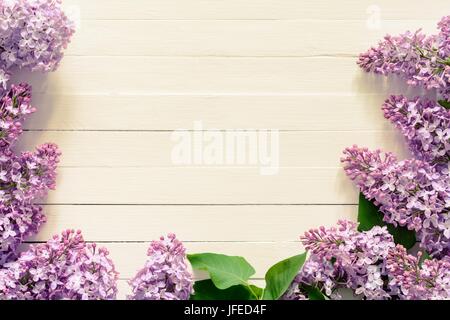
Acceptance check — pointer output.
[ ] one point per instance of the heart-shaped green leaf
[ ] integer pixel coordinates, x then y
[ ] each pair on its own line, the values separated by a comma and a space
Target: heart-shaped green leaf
225, 271
257, 292
280, 276
369, 216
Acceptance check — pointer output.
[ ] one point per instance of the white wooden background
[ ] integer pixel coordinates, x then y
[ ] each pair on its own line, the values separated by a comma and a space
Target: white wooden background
136, 70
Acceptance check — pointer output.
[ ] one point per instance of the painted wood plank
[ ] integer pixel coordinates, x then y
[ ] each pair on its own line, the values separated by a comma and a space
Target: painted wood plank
154, 149
170, 112
255, 9
266, 38
123, 288
191, 223
212, 75
201, 185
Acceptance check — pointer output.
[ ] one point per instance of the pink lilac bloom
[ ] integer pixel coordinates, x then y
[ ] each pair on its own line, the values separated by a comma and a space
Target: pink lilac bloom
15, 105
409, 193
411, 281
426, 126
343, 257
23, 178
420, 59
369, 264
444, 36
165, 275
64, 268
33, 35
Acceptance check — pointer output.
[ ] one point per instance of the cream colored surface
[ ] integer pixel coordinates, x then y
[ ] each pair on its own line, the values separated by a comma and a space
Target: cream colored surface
136, 70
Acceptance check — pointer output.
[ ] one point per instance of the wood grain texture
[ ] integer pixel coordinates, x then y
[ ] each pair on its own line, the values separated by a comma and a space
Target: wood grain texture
136, 71
261, 38
125, 75
170, 112
143, 223
202, 185
254, 9
154, 149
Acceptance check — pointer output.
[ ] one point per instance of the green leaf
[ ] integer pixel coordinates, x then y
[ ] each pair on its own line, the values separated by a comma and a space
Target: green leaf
369, 216
313, 293
257, 292
280, 276
445, 104
206, 290
225, 271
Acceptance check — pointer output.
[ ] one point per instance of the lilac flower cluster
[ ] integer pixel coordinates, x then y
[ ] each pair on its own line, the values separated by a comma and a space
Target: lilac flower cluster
24, 177
410, 280
165, 275
369, 264
64, 268
426, 126
33, 35
14, 107
410, 193
444, 38
422, 60
343, 257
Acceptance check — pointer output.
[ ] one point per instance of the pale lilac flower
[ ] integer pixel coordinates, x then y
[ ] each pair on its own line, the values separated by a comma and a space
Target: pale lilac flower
165, 275
411, 281
426, 126
15, 105
33, 35
64, 268
410, 193
369, 264
24, 178
444, 37
421, 60
4, 77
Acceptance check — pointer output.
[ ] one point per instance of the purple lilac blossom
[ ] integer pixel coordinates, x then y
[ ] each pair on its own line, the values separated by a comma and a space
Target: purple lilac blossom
409, 193
444, 37
33, 35
426, 126
165, 275
64, 268
421, 60
342, 257
24, 177
411, 280
368, 263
